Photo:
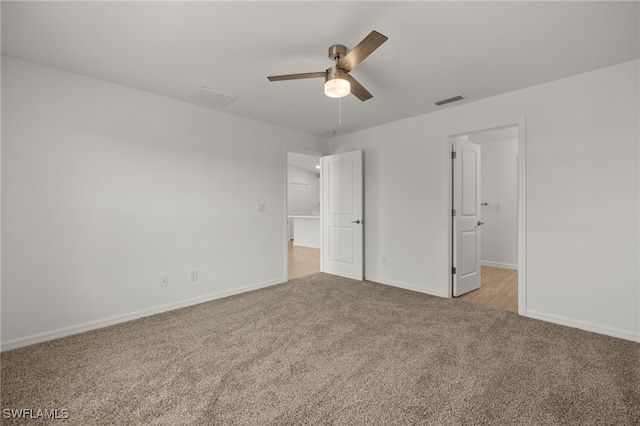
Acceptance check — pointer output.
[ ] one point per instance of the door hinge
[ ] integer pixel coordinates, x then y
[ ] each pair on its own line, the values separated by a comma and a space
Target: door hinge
453, 270
453, 212
453, 155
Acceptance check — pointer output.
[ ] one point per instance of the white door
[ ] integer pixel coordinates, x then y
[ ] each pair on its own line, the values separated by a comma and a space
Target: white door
342, 219
467, 217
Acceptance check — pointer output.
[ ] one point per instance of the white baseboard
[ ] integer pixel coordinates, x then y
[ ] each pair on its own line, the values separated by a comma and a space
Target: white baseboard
583, 325
105, 322
499, 265
427, 290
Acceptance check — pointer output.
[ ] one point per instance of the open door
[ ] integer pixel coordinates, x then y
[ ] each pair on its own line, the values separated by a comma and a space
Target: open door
342, 215
466, 217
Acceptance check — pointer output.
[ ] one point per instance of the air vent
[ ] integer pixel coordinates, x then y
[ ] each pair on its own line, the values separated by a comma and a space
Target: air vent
212, 98
449, 100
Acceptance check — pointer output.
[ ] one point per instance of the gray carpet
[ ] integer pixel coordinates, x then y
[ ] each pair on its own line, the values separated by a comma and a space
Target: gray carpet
326, 350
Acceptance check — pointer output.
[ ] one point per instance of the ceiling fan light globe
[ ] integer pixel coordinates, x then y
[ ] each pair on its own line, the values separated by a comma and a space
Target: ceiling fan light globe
337, 88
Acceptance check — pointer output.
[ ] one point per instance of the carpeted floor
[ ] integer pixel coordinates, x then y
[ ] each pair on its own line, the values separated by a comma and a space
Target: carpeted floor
326, 350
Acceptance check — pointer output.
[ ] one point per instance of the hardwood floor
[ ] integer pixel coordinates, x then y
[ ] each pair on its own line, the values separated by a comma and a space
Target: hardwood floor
499, 289
303, 261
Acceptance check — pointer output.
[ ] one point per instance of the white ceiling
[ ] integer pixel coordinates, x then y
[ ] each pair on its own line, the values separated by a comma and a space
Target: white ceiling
435, 50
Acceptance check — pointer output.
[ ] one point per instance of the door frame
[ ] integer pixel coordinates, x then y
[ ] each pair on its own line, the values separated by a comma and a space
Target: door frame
448, 136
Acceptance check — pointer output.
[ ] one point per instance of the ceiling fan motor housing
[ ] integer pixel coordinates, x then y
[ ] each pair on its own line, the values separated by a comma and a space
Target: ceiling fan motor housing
337, 52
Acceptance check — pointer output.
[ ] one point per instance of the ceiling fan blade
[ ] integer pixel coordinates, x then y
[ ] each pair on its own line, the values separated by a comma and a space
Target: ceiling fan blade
298, 76
358, 90
362, 50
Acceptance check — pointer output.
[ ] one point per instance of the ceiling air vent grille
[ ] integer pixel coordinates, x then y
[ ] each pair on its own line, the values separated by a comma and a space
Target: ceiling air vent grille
449, 100
212, 98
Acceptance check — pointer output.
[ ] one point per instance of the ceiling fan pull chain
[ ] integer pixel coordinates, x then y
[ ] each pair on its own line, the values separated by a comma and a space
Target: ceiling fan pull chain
339, 111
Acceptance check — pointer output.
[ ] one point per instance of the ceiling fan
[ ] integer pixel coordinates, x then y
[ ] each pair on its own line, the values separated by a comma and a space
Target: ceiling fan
338, 82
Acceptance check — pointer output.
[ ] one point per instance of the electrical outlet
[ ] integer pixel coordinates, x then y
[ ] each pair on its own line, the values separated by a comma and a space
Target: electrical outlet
498, 206
194, 275
262, 207
164, 281
385, 261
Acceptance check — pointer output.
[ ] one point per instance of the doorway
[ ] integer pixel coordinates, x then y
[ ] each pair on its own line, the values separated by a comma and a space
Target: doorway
303, 215
334, 221
500, 222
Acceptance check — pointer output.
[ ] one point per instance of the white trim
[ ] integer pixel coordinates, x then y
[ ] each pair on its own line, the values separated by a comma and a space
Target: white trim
583, 325
322, 201
286, 214
448, 206
105, 322
499, 265
522, 215
428, 290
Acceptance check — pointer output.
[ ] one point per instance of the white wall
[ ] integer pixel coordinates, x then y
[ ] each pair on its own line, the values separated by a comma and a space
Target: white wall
299, 175
105, 189
582, 233
500, 186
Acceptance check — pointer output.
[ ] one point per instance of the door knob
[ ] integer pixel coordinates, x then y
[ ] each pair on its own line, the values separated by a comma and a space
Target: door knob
355, 221
480, 223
